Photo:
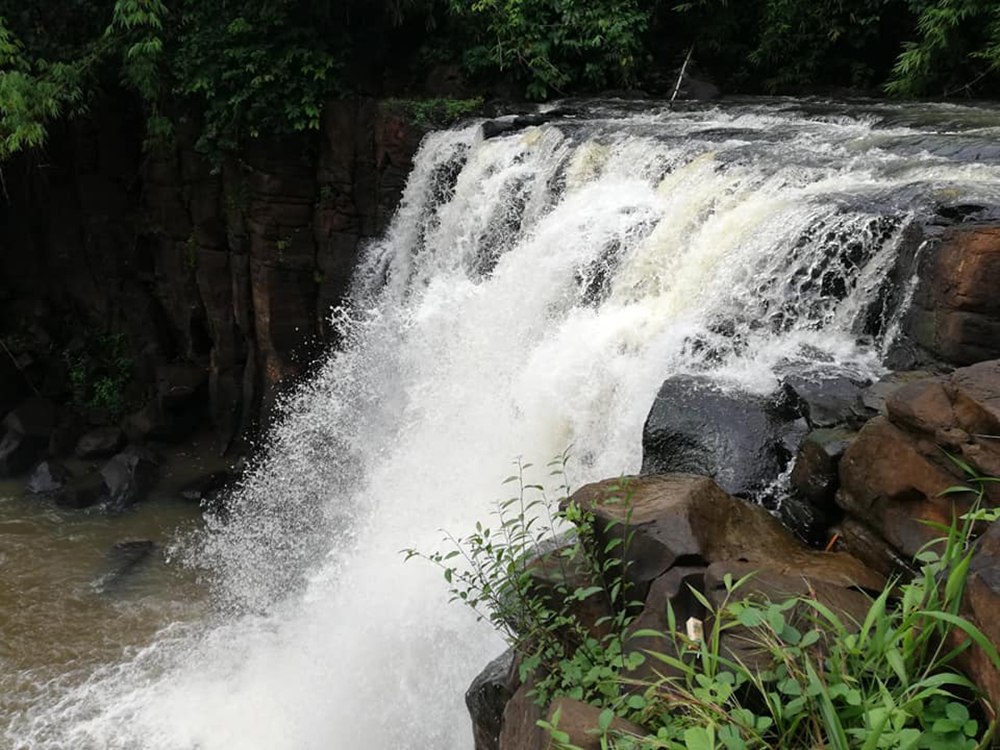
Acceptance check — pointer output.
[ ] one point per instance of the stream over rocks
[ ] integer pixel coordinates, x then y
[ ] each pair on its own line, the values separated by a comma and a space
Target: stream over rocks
534, 290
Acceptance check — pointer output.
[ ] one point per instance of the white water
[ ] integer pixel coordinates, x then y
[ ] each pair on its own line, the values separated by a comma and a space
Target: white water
538, 301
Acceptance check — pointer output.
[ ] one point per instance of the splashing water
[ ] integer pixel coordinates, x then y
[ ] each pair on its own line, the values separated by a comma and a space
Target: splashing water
533, 291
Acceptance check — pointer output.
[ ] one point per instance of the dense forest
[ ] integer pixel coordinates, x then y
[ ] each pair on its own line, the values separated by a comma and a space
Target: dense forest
267, 65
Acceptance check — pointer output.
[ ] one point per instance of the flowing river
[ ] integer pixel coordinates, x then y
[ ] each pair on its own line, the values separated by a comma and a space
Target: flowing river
533, 291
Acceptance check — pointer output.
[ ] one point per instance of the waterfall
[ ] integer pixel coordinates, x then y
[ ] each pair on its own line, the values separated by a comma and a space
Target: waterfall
533, 291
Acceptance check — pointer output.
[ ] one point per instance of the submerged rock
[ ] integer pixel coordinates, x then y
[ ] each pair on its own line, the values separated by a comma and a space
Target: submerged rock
122, 560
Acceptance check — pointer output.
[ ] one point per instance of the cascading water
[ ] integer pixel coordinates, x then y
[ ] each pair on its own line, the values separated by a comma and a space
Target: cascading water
533, 291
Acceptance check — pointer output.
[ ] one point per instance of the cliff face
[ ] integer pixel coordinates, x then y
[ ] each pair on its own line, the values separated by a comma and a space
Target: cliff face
232, 269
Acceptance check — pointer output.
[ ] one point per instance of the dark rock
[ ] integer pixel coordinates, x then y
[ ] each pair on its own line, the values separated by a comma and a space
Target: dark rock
487, 697
63, 440
81, 493
178, 384
742, 441
13, 387
551, 572
206, 489
104, 441
153, 422
507, 125
856, 539
48, 476
982, 605
128, 477
36, 418
826, 402
815, 473
17, 453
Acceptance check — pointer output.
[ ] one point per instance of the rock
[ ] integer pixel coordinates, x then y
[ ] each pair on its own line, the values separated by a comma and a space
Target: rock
508, 125
128, 477
687, 520
856, 539
48, 476
63, 440
981, 605
825, 402
956, 313
520, 729
887, 480
13, 388
553, 577
99, 443
580, 722
742, 441
35, 418
81, 493
122, 560
177, 384
871, 401
17, 453
815, 474
205, 489
487, 697
153, 422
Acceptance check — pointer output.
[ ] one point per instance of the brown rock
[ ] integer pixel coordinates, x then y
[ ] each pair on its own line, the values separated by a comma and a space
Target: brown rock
520, 723
687, 519
982, 607
580, 722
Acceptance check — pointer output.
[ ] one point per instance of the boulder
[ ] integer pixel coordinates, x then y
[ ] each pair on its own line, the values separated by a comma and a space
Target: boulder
815, 473
179, 383
871, 400
17, 453
13, 387
153, 422
580, 721
956, 312
520, 729
858, 540
35, 418
47, 476
487, 697
128, 477
688, 520
554, 578
99, 443
81, 493
63, 440
825, 401
888, 481
742, 441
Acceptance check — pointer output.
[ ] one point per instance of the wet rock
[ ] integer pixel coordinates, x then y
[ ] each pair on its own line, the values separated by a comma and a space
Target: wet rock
17, 453
35, 418
505, 126
956, 314
99, 443
815, 473
551, 573
687, 520
81, 493
826, 402
128, 477
742, 441
487, 697
153, 422
63, 440
48, 476
207, 488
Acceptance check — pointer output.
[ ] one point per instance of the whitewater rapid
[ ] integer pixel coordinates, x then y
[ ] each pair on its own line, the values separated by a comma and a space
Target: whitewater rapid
532, 292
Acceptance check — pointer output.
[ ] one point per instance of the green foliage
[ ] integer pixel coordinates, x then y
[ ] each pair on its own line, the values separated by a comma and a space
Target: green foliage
790, 674
435, 113
530, 579
958, 45
556, 45
100, 371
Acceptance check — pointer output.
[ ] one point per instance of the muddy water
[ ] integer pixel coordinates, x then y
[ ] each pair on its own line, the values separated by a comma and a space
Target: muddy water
69, 602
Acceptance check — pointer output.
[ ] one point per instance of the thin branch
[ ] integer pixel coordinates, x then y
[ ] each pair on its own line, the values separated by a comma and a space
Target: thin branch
680, 78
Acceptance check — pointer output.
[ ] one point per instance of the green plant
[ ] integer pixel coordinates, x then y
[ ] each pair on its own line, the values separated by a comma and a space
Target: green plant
100, 372
435, 113
530, 576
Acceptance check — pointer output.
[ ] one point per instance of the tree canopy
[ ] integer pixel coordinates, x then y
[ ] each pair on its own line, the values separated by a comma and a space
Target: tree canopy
266, 66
